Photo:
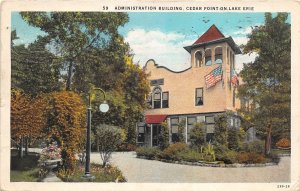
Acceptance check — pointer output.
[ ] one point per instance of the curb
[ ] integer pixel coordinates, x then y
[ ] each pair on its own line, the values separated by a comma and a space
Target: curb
204, 164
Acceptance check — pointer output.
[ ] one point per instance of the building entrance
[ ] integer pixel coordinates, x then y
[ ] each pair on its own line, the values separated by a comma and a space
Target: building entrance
156, 128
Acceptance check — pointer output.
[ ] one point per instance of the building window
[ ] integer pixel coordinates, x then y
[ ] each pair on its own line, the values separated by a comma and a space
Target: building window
156, 100
149, 101
198, 58
174, 129
190, 125
208, 57
165, 99
157, 82
218, 55
199, 96
141, 134
210, 128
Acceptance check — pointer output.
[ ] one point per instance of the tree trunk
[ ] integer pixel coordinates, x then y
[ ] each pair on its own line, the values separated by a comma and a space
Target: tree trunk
268, 140
69, 77
26, 146
21, 154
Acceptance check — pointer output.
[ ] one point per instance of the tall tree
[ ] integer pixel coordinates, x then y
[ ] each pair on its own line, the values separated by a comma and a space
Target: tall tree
73, 34
267, 81
33, 68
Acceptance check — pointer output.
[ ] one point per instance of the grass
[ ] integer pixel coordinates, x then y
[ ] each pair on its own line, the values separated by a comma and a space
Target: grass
108, 174
281, 151
24, 170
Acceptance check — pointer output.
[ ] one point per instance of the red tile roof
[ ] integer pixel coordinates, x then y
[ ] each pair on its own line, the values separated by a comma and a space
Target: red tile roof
150, 119
211, 34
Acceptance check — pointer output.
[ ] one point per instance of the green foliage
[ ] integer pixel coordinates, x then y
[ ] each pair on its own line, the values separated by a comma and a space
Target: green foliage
107, 174
163, 137
66, 124
256, 146
267, 81
209, 153
109, 139
197, 135
171, 152
221, 129
181, 127
34, 69
190, 156
233, 139
148, 152
75, 35
226, 155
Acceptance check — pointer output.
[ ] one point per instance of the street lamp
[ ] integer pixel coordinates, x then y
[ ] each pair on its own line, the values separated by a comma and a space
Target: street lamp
103, 108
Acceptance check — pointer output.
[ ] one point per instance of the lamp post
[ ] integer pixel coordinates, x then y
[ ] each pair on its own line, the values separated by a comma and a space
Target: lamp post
103, 108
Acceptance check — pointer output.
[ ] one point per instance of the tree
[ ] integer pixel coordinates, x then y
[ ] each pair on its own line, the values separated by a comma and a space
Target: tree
197, 135
221, 130
34, 69
27, 119
66, 123
233, 139
74, 35
109, 139
163, 137
267, 81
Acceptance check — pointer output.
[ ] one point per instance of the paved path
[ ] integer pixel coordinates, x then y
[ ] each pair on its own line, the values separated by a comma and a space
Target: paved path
51, 177
142, 170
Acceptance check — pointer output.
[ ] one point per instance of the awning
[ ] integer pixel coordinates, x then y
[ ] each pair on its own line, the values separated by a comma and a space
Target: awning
150, 119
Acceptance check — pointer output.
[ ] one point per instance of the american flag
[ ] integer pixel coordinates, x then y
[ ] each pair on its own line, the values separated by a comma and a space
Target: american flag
213, 77
234, 79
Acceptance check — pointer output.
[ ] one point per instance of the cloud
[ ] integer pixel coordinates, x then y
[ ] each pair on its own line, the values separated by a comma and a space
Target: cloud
165, 48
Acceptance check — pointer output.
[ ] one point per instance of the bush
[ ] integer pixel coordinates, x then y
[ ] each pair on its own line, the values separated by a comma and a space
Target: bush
148, 152
109, 139
190, 156
163, 137
226, 155
255, 146
66, 124
251, 158
127, 147
284, 143
173, 150
197, 135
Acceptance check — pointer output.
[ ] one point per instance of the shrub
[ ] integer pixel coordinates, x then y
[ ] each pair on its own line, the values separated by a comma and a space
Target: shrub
251, 158
233, 139
163, 137
109, 139
197, 135
284, 143
256, 146
226, 155
171, 152
209, 153
66, 124
148, 152
127, 147
190, 155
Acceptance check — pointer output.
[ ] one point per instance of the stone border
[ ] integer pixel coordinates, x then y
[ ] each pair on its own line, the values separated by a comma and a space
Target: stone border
207, 164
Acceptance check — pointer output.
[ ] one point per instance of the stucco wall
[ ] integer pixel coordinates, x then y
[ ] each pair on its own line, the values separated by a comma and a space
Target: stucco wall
181, 86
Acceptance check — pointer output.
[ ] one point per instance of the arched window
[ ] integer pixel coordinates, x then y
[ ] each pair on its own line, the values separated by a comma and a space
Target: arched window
208, 57
198, 58
218, 55
156, 97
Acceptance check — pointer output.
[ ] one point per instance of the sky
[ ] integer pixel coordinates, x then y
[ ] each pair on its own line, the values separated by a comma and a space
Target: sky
162, 36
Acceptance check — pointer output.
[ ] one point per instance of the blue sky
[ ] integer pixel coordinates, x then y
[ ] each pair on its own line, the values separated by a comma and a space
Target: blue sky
162, 36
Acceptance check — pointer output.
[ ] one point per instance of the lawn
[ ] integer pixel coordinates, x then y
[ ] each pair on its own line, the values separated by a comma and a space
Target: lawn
24, 170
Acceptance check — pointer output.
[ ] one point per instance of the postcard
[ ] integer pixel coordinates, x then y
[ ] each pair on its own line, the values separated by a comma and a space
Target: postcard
150, 95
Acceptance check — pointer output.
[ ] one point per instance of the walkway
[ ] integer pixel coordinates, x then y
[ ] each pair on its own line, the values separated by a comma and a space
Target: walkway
141, 170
